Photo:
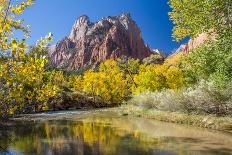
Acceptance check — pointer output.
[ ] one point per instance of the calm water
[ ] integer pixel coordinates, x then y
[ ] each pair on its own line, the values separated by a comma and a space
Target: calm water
103, 133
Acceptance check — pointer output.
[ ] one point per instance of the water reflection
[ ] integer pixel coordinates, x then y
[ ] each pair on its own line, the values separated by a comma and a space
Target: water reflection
110, 135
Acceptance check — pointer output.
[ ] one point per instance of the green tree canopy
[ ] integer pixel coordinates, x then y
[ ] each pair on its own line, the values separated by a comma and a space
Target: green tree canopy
192, 17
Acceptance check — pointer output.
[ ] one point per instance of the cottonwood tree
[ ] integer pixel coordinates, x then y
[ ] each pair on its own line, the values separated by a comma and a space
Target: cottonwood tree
22, 74
192, 17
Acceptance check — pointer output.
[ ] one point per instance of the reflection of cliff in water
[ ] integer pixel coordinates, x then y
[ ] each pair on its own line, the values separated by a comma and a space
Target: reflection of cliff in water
103, 135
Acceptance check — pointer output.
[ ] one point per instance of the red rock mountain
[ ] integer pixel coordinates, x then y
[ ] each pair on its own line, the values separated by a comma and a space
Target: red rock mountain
91, 43
196, 42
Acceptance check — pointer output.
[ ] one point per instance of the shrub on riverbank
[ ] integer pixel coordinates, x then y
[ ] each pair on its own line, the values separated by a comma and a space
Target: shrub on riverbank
203, 98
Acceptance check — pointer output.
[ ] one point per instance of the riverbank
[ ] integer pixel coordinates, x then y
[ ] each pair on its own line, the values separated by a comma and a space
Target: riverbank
204, 121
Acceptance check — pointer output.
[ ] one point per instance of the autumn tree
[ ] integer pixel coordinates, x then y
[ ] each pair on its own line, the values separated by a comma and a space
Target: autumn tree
150, 78
25, 84
115, 82
108, 84
156, 77
130, 68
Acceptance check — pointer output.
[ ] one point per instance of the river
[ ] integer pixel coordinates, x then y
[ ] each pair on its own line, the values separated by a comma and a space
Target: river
106, 133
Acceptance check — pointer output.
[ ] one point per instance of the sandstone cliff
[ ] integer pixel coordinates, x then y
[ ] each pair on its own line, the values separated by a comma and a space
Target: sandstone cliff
196, 42
91, 43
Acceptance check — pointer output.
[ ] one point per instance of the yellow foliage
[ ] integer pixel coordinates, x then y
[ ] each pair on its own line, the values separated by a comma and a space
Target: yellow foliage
174, 77
174, 60
112, 83
157, 77
150, 78
76, 83
109, 83
23, 79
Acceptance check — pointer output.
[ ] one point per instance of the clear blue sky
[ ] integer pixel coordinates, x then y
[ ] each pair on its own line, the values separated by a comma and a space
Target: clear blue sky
58, 16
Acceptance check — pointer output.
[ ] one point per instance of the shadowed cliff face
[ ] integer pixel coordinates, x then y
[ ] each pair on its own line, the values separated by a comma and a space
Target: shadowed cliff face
91, 43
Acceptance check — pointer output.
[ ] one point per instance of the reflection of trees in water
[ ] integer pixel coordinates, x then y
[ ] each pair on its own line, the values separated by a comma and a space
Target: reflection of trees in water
106, 135
5, 138
69, 137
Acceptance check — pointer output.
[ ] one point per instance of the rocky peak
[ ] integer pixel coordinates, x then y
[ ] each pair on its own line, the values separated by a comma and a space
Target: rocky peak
91, 43
84, 19
79, 28
126, 20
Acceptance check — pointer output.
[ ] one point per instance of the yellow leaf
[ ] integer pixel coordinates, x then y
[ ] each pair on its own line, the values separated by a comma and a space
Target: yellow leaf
14, 43
13, 51
6, 27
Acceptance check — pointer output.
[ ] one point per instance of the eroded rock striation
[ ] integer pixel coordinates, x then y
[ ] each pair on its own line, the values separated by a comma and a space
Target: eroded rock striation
91, 43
